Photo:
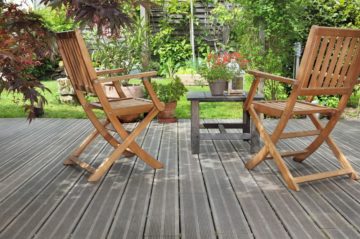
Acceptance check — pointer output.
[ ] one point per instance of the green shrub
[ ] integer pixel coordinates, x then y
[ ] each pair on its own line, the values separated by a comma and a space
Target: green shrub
44, 70
56, 20
171, 91
118, 52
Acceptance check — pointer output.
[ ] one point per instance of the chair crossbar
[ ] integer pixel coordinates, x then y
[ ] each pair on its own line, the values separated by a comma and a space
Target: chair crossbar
323, 175
296, 134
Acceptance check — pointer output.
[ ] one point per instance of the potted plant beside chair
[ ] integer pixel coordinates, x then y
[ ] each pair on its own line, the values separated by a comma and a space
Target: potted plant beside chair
169, 93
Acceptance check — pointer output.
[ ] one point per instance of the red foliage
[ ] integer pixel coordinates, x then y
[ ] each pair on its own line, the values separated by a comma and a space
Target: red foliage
23, 42
109, 14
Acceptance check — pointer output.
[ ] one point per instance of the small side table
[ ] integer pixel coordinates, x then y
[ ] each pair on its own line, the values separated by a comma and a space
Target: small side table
249, 131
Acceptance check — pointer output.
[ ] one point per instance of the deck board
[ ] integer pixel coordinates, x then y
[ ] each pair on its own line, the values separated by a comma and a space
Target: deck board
210, 195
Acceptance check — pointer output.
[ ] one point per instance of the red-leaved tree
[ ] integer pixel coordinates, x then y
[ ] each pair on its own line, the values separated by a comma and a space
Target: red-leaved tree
24, 41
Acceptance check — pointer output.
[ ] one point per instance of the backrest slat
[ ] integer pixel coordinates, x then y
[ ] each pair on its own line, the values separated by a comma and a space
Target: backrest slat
319, 61
326, 60
333, 61
77, 60
329, 60
305, 69
349, 58
340, 62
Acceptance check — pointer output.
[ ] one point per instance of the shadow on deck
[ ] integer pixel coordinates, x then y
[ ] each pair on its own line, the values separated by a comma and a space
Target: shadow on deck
210, 195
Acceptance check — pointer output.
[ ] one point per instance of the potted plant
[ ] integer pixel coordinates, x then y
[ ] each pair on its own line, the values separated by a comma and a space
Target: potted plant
169, 93
217, 72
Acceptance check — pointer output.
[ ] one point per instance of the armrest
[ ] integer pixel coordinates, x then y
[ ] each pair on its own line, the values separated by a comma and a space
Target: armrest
265, 75
158, 104
112, 71
126, 77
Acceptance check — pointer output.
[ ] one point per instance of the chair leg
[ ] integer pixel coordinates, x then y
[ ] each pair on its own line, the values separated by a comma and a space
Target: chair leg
87, 141
324, 133
260, 156
127, 141
336, 150
257, 159
271, 148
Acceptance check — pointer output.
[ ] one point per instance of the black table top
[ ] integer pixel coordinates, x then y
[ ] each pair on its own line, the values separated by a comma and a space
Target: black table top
207, 97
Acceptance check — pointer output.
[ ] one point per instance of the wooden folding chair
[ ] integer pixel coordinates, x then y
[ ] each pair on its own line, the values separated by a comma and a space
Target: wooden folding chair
330, 66
85, 79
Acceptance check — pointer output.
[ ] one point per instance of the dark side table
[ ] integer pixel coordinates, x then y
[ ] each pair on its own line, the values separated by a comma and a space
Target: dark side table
249, 132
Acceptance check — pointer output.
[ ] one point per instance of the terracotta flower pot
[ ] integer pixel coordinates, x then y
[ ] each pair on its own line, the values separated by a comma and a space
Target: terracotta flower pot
217, 87
168, 115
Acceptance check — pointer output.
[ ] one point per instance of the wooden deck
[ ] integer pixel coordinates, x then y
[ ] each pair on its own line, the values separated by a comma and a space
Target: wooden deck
210, 195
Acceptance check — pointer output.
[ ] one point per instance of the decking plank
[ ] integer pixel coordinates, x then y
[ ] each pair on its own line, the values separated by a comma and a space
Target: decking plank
42, 163
38, 216
130, 218
196, 219
345, 202
163, 216
78, 200
18, 159
255, 206
326, 216
98, 217
229, 218
210, 195
20, 192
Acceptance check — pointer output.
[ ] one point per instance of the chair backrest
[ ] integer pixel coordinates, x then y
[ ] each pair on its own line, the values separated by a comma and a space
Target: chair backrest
77, 60
331, 62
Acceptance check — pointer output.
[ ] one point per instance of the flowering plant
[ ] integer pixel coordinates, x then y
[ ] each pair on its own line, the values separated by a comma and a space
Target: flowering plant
216, 67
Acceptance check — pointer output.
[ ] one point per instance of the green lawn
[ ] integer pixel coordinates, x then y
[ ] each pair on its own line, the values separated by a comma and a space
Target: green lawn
10, 106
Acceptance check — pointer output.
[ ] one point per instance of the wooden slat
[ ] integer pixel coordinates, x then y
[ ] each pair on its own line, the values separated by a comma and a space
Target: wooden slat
325, 91
264, 75
126, 77
216, 195
323, 175
257, 209
196, 220
228, 216
130, 217
287, 135
222, 136
292, 215
165, 194
333, 61
95, 223
289, 153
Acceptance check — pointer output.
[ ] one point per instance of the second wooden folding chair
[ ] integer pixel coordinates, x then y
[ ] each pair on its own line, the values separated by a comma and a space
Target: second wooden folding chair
330, 66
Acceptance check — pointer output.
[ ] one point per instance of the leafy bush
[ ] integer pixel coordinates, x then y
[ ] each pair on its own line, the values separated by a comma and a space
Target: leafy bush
175, 50
170, 92
44, 70
118, 52
56, 20
330, 101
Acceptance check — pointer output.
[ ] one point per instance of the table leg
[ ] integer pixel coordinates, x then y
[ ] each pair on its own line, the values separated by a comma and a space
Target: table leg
246, 122
195, 131
255, 139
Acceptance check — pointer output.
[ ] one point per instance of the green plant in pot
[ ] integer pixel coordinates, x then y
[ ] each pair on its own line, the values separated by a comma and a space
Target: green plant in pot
169, 93
216, 72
